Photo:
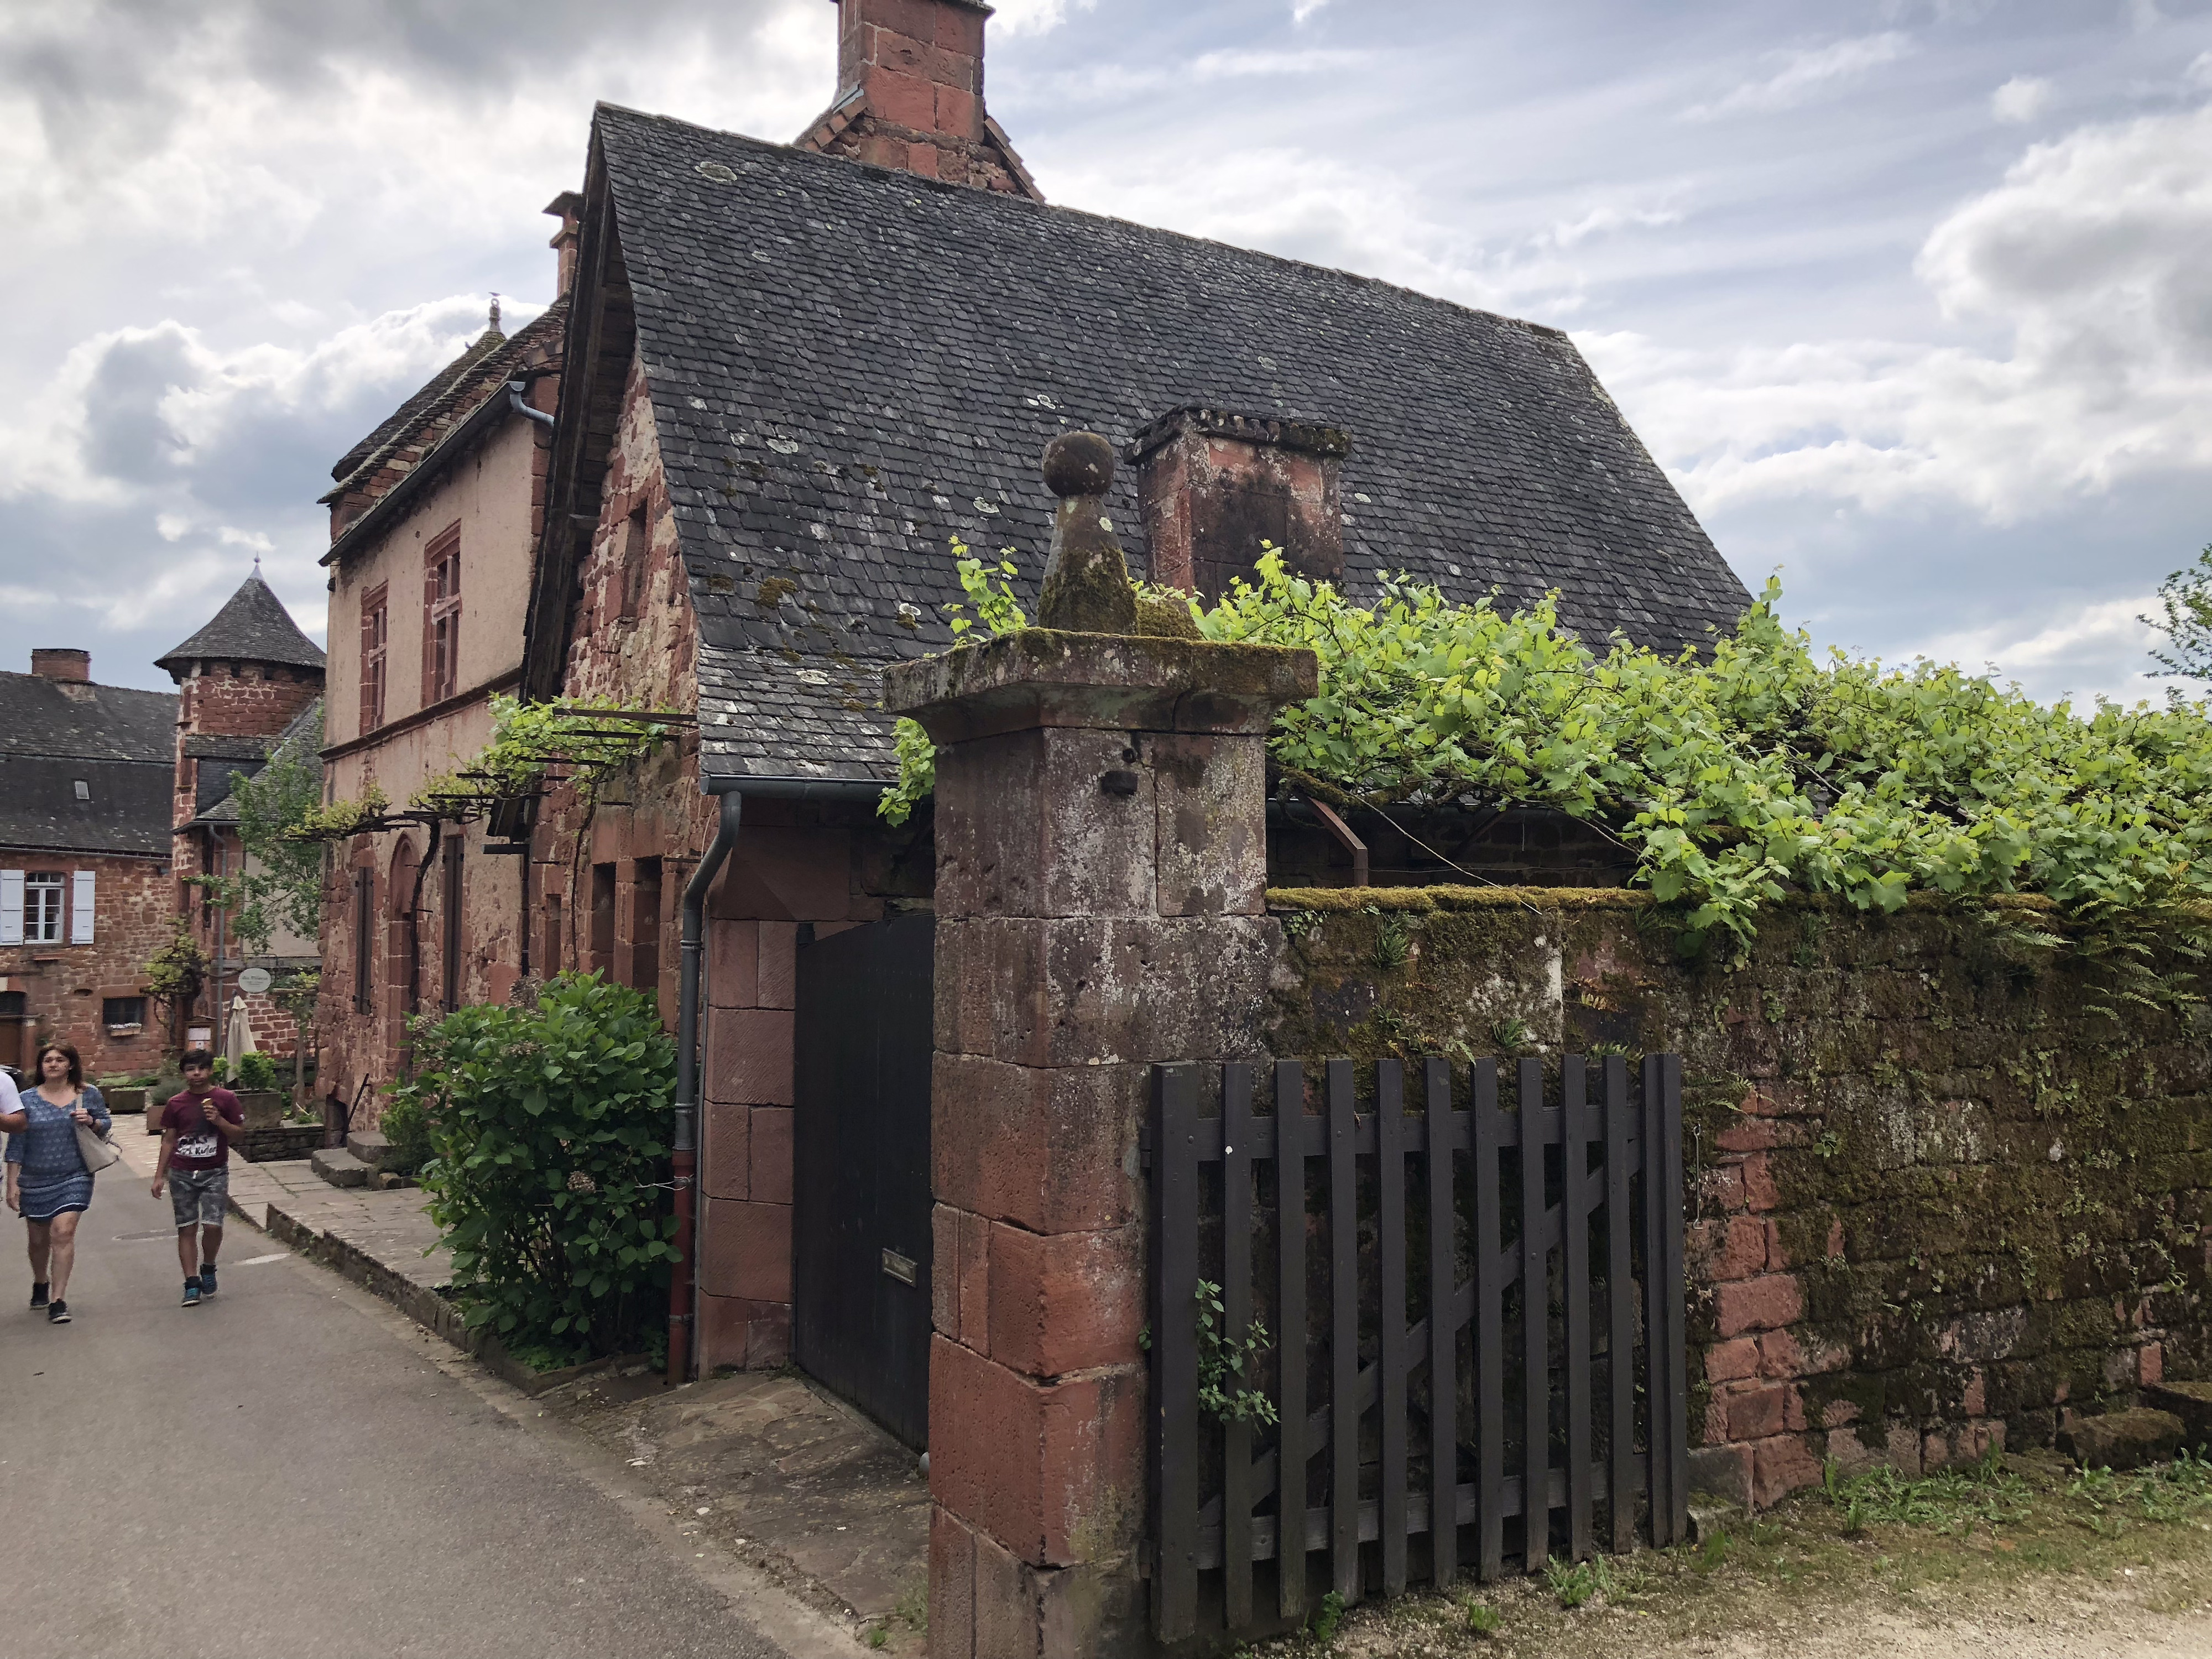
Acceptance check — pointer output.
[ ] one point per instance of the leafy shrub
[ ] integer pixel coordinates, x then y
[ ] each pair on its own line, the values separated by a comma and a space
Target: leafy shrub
406, 1125
256, 1071
1735, 776
549, 1123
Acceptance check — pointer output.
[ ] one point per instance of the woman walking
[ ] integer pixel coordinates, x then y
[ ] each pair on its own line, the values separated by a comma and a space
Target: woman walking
47, 1181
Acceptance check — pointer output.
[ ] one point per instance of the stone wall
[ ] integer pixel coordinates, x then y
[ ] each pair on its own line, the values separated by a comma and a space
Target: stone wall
1939, 1196
65, 986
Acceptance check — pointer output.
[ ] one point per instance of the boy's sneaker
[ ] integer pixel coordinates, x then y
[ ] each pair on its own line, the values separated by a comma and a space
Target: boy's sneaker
58, 1313
191, 1293
207, 1279
38, 1296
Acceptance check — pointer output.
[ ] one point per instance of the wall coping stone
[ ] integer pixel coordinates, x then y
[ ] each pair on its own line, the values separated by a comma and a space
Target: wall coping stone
1041, 676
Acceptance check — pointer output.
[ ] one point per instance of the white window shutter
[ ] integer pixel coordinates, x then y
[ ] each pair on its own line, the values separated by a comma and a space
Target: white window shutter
81, 907
11, 907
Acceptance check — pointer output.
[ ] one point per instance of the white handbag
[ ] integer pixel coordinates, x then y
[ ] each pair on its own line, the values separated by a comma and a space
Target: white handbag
97, 1150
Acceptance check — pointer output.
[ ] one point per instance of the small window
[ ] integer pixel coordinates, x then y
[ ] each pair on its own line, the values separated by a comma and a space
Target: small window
442, 617
603, 919
83, 790
126, 1013
374, 636
635, 549
42, 907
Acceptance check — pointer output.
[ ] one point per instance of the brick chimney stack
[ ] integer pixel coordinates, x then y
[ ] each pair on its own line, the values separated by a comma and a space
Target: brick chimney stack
568, 208
910, 95
61, 663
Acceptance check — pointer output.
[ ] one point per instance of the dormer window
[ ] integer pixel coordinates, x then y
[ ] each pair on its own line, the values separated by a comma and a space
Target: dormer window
83, 790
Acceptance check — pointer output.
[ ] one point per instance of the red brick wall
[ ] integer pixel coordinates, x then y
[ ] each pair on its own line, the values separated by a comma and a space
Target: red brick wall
64, 985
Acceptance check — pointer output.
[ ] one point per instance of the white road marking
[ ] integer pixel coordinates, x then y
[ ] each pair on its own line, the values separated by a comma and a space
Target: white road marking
256, 1261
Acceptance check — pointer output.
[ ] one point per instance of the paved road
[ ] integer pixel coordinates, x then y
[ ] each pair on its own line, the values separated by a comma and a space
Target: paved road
285, 1471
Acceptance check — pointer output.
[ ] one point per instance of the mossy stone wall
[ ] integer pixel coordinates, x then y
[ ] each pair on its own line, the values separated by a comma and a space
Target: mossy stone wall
1946, 1186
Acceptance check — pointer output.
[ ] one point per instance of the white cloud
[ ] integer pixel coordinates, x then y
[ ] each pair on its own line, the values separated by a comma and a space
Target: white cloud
2072, 653
2094, 255
1033, 16
2199, 71
2020, 99
133, 411
1301, 10
1799, 75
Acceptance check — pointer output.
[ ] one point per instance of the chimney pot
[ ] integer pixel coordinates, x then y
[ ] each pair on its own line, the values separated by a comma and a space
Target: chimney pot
61, 663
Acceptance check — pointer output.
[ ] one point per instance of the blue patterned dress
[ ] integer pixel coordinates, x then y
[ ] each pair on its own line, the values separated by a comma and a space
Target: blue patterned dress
55, 1179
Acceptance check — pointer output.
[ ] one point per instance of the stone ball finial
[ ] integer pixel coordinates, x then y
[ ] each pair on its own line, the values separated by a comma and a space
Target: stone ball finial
1078, 464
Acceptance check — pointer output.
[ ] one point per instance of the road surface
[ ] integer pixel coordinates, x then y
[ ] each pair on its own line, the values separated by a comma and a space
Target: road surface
292, 1470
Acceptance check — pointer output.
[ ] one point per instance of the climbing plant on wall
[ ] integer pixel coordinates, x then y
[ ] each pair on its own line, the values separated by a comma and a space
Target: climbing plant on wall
1737, 773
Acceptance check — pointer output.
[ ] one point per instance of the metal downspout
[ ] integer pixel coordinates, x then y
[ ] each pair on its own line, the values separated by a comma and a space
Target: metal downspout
683, 1284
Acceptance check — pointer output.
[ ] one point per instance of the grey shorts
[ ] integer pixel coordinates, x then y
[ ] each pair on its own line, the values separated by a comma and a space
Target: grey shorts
197, 1195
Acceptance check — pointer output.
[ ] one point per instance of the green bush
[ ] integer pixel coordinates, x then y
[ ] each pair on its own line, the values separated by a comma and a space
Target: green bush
256, 1071
550, 1127
407, 1127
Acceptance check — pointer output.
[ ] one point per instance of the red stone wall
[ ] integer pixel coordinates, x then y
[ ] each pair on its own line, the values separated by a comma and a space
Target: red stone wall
64, 985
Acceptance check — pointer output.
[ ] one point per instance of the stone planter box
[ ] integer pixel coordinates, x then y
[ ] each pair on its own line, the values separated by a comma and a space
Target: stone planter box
290, 1140
123, 1102
265, 1107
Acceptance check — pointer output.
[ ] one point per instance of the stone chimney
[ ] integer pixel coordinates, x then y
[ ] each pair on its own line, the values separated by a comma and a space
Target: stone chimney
910, 95
1213, 485
62, 663
568, 208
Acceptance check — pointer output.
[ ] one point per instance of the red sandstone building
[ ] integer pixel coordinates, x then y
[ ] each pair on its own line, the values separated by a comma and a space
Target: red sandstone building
246, 681
788, 376
85, 895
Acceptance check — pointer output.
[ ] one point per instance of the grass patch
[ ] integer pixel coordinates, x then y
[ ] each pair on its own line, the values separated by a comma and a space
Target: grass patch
2004, 1537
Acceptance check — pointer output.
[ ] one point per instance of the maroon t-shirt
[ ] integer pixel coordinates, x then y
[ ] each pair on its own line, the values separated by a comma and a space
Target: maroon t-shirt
199, 1147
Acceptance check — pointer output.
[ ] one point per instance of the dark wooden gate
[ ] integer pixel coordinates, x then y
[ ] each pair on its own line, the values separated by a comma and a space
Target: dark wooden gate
1472, 1358
861, 1310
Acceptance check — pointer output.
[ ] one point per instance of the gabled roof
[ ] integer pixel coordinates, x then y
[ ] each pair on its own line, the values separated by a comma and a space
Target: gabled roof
464, 385
64, 719
849, 366
253, 626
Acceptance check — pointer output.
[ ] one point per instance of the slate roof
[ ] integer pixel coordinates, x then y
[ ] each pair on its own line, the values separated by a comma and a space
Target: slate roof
253, 626
438, 386
60, 719
127, 812
850, 365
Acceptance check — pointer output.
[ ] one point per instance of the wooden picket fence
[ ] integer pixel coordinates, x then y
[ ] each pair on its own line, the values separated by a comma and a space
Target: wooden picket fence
1545, 1315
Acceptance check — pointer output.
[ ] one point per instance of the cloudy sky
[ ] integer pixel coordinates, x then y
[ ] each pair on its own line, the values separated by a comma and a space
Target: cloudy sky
1914, 300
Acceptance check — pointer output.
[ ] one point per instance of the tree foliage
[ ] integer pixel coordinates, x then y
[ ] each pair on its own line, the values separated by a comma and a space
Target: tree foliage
280, 884
2185, 599
1745, 772
548, 1128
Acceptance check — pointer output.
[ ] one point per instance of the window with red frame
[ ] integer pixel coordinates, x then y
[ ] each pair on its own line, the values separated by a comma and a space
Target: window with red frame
374, 634
442, 617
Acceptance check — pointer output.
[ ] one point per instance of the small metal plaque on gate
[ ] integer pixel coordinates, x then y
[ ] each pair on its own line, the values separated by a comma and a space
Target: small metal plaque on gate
901, 1268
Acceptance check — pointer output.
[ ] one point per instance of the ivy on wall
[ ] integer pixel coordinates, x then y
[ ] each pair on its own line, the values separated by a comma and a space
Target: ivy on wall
1735, 775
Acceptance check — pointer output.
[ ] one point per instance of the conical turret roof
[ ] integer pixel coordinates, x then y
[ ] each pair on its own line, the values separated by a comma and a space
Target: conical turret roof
253, 626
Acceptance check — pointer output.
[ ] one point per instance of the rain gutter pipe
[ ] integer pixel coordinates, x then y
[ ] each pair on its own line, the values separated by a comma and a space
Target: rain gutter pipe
683, 1284
514, 402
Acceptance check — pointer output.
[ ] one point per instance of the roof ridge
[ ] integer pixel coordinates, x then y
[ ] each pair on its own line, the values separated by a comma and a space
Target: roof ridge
465, 373
943, 187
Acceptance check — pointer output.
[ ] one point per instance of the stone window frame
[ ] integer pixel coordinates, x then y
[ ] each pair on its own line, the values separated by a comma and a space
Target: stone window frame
375, 654
442, 615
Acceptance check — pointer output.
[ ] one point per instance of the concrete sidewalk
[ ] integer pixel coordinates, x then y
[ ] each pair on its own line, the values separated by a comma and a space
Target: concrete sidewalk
382, 1241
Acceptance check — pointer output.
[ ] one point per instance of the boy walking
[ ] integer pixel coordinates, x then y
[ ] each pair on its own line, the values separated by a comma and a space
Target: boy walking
197, 1129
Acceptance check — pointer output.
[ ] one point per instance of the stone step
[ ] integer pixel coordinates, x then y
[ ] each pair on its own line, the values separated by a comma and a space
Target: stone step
2120, 1441
2190, 1402
339, 1166
369, 1146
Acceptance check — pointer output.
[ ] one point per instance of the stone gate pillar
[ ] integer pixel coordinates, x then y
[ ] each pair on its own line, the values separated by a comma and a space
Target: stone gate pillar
1102, 858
